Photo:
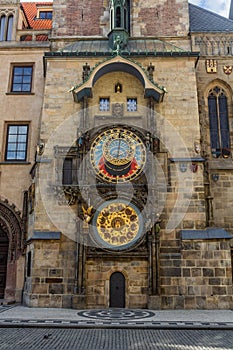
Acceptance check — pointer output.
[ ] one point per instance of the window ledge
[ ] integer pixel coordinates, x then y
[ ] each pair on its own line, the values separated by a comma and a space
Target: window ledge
14, 162
20, 93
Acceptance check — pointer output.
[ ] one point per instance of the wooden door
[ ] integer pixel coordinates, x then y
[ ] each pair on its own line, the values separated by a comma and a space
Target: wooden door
117, 290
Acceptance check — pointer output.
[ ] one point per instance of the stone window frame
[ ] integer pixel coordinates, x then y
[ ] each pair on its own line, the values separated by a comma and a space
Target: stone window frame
14, 65
228, 93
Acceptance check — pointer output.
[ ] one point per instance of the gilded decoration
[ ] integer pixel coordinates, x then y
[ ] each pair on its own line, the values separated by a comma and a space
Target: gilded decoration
227, 70
211, 66
117, 224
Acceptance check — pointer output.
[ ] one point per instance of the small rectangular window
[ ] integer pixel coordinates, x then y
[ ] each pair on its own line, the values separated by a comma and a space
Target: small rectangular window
67, 171
16, 143
22, 79
104, 104
45, 14
29, 263
131, 104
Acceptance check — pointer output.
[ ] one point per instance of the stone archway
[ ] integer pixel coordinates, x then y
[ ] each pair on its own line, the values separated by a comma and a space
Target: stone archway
4, 245
11, 247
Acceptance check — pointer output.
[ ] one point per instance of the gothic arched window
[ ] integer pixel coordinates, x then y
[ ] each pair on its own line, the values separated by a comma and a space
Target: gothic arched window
218, 122
120, 14
6, 27
2, 27
9, 28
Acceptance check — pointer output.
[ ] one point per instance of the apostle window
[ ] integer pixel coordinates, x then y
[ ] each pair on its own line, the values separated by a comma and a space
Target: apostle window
104, 104
131, 104
218, 122
120, 14
16, 142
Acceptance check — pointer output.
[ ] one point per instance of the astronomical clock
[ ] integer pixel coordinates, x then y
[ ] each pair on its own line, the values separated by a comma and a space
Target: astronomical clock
118, 158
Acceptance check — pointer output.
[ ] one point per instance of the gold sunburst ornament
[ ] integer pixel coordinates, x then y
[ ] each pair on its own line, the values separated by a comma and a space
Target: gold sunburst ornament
117, 224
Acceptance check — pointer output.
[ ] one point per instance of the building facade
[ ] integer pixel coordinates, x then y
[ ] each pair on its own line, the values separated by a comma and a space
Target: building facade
123, 155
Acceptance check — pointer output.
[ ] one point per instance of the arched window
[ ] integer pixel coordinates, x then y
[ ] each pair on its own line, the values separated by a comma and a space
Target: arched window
120, 14
9, 28
218, 122
6, 27
2, 27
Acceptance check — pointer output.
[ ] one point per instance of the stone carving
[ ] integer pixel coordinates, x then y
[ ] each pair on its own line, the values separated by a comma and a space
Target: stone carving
118, 110
12, 224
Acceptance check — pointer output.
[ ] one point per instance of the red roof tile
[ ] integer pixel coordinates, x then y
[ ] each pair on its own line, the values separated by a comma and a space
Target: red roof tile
30, 10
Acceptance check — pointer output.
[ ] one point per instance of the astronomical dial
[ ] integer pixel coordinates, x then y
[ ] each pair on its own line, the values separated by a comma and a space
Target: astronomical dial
117, 224
118, 155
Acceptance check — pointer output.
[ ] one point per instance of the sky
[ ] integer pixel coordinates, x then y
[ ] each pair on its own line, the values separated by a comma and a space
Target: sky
220, 7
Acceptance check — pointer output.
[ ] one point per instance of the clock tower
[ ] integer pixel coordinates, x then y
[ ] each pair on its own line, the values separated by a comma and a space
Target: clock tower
120, 181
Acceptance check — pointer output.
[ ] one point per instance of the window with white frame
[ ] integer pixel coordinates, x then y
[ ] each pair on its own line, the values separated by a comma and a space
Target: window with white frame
131, 104
16, 142
104, 104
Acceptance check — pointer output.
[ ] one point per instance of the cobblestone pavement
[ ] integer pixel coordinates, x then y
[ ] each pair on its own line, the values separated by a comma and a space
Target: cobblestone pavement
114, 339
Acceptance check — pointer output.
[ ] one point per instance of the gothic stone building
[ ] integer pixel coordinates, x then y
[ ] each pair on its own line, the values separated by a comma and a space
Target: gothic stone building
118, 155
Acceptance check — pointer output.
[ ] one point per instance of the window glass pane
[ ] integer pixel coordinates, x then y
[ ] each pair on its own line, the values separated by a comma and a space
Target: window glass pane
13, 129
104, 104
213, 120
18, 70
67, 172
22, 138
21, 146
20, 156
131, 104
9, 28
26, 87
23, 129
2, 27
16, 88
27, 79
27, 71
18, 79
12, 138
11, 146
11, 155
223, 114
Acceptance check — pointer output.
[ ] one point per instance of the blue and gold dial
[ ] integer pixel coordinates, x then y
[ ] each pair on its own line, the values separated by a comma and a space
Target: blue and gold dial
118, 155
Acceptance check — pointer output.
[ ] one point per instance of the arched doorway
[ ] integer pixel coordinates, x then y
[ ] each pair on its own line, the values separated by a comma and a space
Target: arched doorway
117, 290
4, 244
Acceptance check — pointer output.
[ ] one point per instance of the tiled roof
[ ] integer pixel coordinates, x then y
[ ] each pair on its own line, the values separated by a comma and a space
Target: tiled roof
30, 11
202, 20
